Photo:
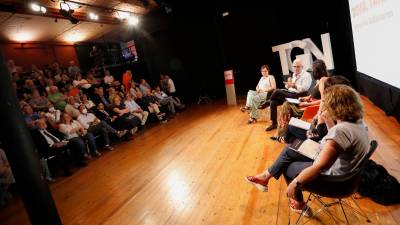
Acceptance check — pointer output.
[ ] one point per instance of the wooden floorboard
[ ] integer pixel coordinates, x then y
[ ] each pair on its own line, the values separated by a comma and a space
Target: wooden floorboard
191, 171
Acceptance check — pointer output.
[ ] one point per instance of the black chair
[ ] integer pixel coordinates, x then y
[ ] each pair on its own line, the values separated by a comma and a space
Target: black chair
337, 187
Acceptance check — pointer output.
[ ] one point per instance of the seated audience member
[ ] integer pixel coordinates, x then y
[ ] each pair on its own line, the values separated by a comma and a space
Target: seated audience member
29, 86
74, 131
57, 98
48, 143
341, 150
164, 83
56, 69
73, 70
39, 103
72, 107
102, 114
81, 83
263, 91
63, 82
124, 120
144, 86
134, 89
6, 178
99, 97
166, 100
72, 91
29, 115
53, 116
127, 80
108, 79
296, 87
97, 127
92, 80
112, 93
135, 109
149, 103
87, 102
36, 72
22, 102
49, 83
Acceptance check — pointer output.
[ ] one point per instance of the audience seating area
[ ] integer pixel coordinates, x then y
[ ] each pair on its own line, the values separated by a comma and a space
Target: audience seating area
72, 116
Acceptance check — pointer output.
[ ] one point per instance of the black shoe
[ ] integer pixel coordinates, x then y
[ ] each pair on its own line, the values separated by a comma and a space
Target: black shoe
264, 105
81, 164
274, 138
67, 173
271, 127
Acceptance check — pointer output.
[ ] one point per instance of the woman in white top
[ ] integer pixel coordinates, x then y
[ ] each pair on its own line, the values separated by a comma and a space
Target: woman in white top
263, 91
74, 131
108, 78
80, 83
87, 102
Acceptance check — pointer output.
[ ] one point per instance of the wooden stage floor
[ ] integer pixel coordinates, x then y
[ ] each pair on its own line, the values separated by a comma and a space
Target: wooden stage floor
191, 171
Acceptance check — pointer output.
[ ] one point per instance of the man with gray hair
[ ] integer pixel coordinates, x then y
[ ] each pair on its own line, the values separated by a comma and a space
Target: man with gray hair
296, 86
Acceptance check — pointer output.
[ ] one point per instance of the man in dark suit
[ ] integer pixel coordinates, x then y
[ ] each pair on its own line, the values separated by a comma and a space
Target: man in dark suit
100, 97
50, 143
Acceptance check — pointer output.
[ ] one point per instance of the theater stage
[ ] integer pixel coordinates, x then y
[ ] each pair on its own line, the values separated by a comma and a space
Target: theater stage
191, 171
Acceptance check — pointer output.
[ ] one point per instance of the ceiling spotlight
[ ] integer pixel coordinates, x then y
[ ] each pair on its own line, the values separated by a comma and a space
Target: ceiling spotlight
93, 16
133, 20
67, 12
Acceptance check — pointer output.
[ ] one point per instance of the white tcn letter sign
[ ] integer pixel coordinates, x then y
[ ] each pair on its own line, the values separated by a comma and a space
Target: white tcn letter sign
309, 48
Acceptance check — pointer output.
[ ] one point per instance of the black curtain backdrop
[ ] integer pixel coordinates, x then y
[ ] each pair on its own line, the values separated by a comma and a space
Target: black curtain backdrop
195, 43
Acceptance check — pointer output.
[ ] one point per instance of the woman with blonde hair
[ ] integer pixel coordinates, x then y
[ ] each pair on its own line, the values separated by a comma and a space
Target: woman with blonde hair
340, 151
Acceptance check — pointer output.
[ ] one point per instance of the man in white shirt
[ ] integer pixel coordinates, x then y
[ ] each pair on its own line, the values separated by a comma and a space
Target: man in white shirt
97, 127
297, 86
135, 109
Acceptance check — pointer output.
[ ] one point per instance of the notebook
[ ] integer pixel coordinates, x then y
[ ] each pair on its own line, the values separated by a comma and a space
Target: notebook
308, 148
299, 123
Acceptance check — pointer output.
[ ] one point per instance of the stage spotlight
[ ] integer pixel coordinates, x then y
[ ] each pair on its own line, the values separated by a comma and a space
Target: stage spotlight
38, 8
93, 16
68, 15
35, 7
67, 11
133, 20
43, 9
123, 15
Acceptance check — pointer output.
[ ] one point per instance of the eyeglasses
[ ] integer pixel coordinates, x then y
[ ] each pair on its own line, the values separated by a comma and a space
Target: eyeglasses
297, 66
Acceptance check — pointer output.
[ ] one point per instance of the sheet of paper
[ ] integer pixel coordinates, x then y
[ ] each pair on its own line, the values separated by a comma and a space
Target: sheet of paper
299, 123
